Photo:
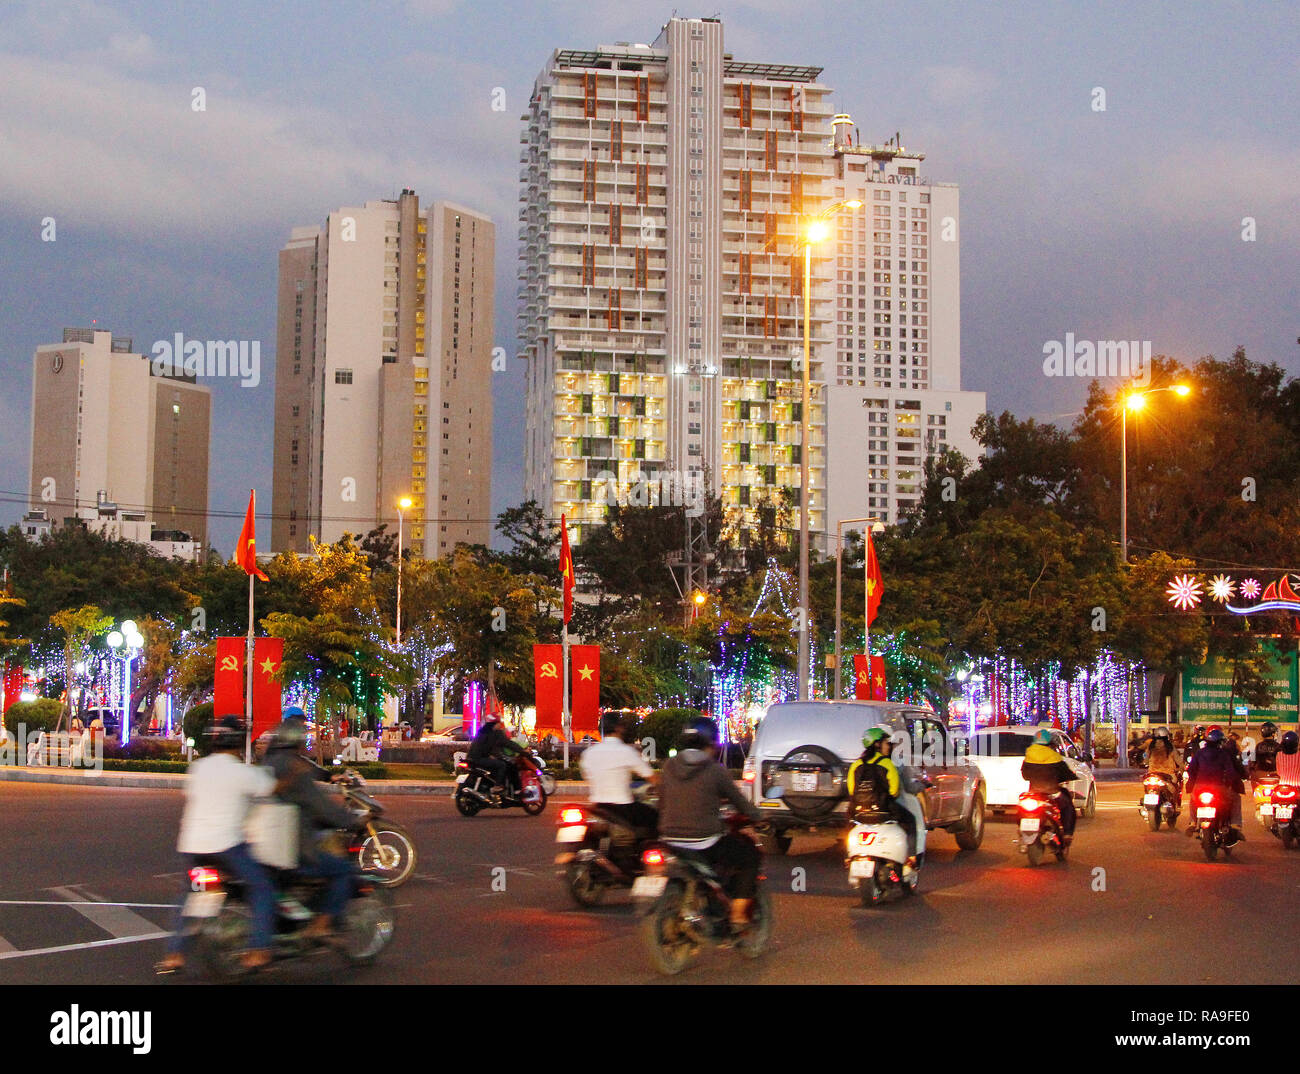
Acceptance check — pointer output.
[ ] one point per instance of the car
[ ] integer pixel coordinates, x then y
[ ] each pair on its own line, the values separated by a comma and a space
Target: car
108, 718
807, 747
1000, 751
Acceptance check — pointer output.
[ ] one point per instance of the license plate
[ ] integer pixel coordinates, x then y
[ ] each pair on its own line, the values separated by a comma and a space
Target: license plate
1266, 810
1029, 824
462, 777
803, 781
860, 868
1205, 813
1283, 812
1151, 799
204, 903
649, 887
573, 833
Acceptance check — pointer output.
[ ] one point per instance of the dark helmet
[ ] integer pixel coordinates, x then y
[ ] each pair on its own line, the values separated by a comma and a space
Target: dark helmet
612, 722
226, 733
1214, 736
290, 734
1269, 729
1199, 729
700, 734
1290, 743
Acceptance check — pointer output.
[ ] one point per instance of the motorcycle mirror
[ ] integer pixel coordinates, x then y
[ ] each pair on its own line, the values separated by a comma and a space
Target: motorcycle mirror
774, 792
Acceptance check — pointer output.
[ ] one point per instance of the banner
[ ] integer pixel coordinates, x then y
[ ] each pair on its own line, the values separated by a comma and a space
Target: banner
1207, 695
228, 693
268, 655
869, 687
548, 689
584, 670
13, 686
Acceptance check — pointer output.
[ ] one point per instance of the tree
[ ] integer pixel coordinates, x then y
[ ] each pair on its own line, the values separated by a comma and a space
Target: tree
80, 626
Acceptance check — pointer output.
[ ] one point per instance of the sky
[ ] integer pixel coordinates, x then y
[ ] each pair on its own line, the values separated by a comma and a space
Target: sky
1123, 223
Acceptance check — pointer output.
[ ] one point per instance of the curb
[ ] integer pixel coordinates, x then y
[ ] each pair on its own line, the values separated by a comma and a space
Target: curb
169, 781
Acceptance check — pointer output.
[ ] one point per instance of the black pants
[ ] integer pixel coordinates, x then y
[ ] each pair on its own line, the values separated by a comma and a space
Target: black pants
496, 768
1068, 813
635, 814
736, 859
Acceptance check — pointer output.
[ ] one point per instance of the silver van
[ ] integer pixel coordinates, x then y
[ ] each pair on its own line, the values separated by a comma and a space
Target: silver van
807, 748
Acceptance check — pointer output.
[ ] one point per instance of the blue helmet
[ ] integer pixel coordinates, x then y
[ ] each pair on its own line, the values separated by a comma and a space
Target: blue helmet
293, 712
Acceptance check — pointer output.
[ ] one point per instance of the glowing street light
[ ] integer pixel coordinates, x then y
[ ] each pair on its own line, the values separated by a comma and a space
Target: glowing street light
1135, 401
126, 642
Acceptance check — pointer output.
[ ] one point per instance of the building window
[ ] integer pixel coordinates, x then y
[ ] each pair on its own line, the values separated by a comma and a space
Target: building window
588, 180
746, 104
796, 193
588, 265
769, 316
746, 274
643, 184
796, 108
769, 150
640, 268
615, 225
589, 96
643, 98
746, 189
342, 376
615, 309
615, 139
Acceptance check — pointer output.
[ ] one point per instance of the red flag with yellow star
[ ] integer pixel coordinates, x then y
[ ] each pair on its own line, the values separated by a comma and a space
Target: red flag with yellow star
246, 549
584, 671
875, 583
566, 569
268, 655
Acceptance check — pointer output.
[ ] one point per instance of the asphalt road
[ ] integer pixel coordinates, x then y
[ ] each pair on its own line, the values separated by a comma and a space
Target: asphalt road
983, 917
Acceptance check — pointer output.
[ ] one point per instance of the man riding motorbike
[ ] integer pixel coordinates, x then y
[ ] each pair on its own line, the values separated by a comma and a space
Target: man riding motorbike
1264, 761
691, 786
1194, 743
1047, 773
487, 749
1162, 761
319, 819
608, 768
902, 804
1288, 759
1215, 766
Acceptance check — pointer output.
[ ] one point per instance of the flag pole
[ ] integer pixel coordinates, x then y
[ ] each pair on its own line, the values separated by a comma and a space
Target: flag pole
564, 719
248, 681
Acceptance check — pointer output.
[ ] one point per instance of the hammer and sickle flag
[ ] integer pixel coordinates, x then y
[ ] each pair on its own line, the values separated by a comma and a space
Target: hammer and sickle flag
549, 688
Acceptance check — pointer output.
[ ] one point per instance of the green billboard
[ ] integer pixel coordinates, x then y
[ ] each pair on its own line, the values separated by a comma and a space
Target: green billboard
1207, 690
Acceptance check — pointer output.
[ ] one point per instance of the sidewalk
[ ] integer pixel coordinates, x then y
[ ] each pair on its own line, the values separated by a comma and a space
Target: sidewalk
167, 781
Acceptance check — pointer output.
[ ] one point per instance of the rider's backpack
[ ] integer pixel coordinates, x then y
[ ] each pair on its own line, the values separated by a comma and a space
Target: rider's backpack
871, 790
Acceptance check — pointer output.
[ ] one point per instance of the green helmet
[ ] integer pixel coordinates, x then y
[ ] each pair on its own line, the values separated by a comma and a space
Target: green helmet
873, 735
1044, 737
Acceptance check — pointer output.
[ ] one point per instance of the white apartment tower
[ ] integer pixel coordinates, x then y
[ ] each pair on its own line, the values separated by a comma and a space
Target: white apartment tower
896, 397
383, 376
661, 291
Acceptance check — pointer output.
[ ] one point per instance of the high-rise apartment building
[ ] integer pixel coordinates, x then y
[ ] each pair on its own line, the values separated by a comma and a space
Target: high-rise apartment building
895, 398
114, 442
384, 376
661, 292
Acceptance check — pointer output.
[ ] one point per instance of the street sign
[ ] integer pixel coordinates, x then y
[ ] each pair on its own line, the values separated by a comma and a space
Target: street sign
1241, 710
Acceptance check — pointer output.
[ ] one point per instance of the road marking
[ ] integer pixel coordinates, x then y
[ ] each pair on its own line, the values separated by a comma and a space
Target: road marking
67, 902
82, 946
5, 945
113, 918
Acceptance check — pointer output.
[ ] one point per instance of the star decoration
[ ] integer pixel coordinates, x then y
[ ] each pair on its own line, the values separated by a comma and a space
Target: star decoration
1222, 588
1184, 592
267, 666
1250, 589
585, 672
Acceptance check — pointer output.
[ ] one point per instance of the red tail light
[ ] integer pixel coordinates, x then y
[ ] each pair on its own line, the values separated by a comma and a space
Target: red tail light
1153, 781
571, 816
201, 876
462, 767
1284, 791
653, 857
1206, 798
1031, 805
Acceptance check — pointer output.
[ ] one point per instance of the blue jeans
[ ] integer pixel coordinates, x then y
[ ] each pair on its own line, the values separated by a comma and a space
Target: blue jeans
339, 872
258, 890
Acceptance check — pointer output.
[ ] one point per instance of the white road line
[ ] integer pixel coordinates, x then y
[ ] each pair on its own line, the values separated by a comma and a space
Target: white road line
5, 945
66, 902
82, 946
116, 920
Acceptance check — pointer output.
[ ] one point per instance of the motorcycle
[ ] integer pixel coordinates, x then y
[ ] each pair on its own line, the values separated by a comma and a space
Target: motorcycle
1213, 824
474, 789
1285, 822
876, 851
383, 848
685, 907
1158, 802
1040, 827
602, 851
1264, 786
216, 909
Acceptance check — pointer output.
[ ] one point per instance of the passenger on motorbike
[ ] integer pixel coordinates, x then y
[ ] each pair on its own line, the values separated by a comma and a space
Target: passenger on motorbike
1264, 761
1215, 766
1162, 761
1194, 743
487, 749
219, 791
691, 786
1047, 772
1288, 759
320, 817
608, 768
903, 805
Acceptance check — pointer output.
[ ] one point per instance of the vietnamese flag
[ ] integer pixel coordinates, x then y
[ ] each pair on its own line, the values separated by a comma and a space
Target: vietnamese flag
246, 549
549, 687
268, 655
875, 583
584, 671
871, 681
566, 568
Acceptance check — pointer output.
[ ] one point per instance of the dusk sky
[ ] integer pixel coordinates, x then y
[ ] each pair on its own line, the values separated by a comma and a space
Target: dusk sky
1120, 224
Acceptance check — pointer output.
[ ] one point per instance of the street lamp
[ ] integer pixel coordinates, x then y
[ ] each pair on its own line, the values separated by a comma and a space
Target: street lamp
403, 505
1135, 401
817, 229
877, 527
126, 643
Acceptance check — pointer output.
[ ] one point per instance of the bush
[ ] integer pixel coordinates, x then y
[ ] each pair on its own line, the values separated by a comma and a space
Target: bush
119, 765
39, 715
665, 726
144, 749
195, 722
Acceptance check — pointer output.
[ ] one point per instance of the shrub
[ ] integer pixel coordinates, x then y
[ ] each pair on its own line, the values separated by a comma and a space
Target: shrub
665, 726
39, 715
194, 723
119, 765
144, 749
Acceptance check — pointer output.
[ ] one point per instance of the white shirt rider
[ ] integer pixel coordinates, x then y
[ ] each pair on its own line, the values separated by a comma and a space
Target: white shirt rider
608, 768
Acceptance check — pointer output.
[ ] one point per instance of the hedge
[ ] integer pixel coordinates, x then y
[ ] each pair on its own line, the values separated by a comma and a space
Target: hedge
39, 715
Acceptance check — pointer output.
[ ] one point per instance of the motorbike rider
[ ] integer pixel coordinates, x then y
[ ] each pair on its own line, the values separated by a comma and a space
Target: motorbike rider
488, 749
608, 768
1264, 761
1288, 759
691, 786
1194, 743
319, 819
1162, 761
1215, 766
1047, 773
903, 805
219, 791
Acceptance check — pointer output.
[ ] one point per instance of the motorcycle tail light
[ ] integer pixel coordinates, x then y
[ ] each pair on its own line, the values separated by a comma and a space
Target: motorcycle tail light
571, 816
1284, 792
201, 876
1153, 782
462, 767
1206, 798
653, 857
1031, 805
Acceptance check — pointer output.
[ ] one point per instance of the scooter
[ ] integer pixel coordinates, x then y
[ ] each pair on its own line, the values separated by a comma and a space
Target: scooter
1040, 827
876, 856
1214, 824
1158, 802
474, 790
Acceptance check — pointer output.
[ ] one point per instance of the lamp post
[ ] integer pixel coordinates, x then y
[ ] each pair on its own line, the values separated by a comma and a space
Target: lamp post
403, 505
126, 642
1135, 401
877, 527
815, 230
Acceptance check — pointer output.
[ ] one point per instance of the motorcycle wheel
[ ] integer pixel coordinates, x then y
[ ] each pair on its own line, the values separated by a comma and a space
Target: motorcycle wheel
1034, 852
1153, 819
367, 927
583, 886
466, 804
223, 938
1288, 838
536, 805
1210, 847
754, 942
663, 932
388, 856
